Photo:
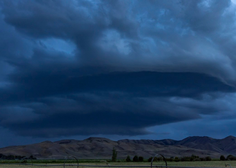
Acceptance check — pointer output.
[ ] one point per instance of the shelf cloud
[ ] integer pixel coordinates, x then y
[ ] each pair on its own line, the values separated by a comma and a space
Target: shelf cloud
116, 67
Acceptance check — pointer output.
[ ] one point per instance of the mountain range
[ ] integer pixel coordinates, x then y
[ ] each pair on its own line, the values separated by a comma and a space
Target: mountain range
101, 148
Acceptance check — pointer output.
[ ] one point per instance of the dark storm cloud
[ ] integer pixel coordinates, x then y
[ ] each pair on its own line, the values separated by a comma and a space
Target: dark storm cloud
146, 35
87, 114
37, 84
116, 103
114, 67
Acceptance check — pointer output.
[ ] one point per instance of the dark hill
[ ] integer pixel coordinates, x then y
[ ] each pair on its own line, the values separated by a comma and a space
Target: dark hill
101, 148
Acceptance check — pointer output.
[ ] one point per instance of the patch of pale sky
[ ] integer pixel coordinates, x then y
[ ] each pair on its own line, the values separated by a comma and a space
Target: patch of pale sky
206, 4
233, 1
112, 41
59, 45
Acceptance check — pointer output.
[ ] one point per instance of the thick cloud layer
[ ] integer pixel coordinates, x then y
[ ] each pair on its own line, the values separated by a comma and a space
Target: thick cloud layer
115, 67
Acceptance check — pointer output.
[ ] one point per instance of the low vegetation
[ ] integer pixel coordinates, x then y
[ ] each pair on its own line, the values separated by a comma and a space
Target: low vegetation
16, 157
192, 160
114, 155
136, 158
133, 164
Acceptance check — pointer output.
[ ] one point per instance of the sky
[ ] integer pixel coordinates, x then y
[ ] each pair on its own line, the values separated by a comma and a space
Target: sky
124, 69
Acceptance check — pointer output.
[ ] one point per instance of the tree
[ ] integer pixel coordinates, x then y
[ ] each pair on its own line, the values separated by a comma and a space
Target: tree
186, 158
176, 159
135, 158
128, 159
158, 158
32, 157
231, 157
114, 155
208, 158
150, 159
222, 157
140, 159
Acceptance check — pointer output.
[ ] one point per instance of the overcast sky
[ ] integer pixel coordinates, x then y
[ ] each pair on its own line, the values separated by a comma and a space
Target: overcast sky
119, 69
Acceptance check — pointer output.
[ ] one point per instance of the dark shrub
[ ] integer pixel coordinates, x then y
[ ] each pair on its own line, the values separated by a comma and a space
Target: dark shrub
194, 158
208, 158
155, 159
140, 159
114, 155
176, 159
135, 158
150, 159
171, 159
231, 157
128, 159
222, 157
186, 159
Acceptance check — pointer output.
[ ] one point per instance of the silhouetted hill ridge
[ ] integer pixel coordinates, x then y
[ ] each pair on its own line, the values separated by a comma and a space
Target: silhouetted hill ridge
101, 148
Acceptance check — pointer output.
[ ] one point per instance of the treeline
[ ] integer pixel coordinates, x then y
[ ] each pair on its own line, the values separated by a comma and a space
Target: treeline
177, 159
135, 159
229, 157
16, 157
189, 158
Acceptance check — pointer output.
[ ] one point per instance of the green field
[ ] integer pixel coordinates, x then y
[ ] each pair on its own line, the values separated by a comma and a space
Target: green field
180, 164
184, 164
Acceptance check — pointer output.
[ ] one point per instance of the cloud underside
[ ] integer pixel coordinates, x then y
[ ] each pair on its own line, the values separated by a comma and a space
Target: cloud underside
114, 67
119, 103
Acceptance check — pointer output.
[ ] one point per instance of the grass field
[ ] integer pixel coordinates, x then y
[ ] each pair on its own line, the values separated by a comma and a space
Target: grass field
179, 164
184, 164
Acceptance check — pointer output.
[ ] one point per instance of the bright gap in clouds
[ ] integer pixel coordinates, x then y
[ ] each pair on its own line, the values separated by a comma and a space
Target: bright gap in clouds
112, 41
59, 45
233, 1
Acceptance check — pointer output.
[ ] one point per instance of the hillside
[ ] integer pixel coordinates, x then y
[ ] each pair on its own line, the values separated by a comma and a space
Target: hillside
101, 148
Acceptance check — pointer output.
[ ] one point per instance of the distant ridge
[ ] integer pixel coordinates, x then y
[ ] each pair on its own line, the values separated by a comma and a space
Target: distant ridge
101, 148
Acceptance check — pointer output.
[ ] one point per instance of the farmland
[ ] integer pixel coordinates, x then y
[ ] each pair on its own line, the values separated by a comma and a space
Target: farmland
110, 164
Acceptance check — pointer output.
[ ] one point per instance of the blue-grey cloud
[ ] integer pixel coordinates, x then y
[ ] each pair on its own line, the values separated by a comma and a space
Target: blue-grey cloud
114, 67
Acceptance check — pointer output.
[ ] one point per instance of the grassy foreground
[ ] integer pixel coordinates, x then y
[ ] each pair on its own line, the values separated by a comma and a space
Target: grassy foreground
184, 164
180, 164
